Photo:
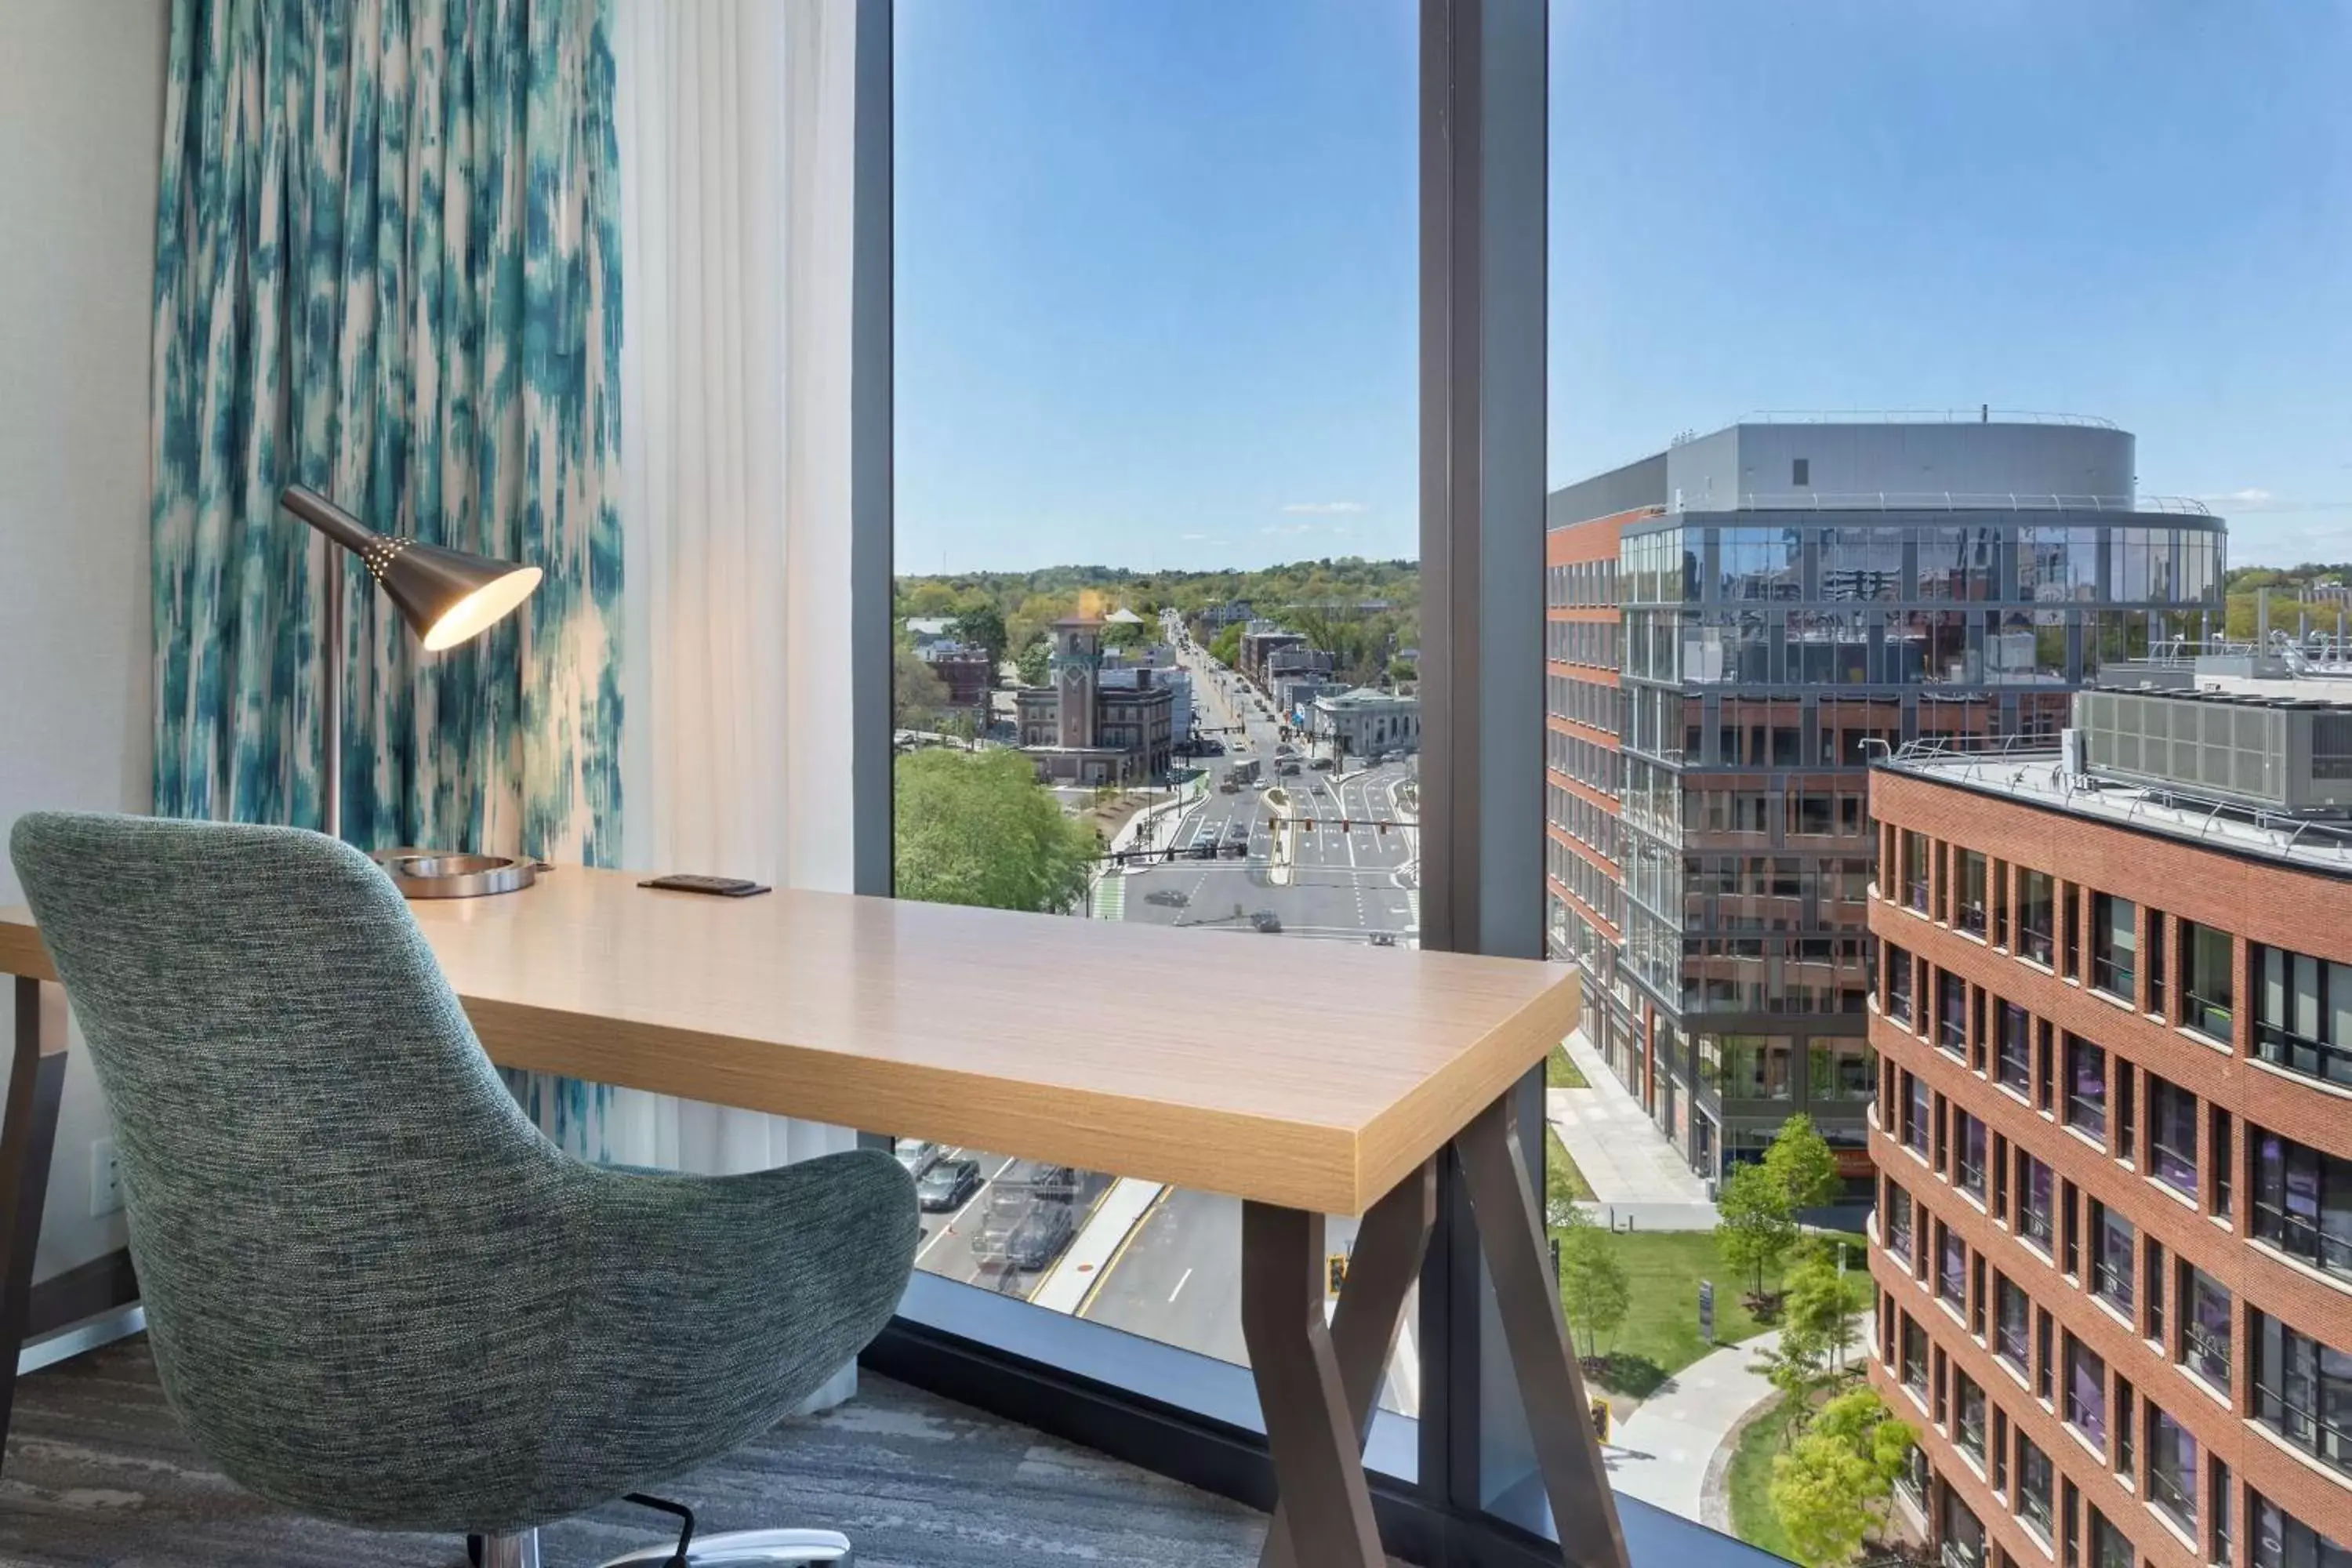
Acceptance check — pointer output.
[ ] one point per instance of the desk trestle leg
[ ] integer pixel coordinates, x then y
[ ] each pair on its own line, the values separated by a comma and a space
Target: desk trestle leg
1389, 1249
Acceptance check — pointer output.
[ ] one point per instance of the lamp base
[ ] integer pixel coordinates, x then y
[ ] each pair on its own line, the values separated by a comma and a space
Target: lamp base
436, 874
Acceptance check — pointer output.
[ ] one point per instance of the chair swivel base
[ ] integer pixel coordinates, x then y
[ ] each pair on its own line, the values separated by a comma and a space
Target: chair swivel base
730, 1549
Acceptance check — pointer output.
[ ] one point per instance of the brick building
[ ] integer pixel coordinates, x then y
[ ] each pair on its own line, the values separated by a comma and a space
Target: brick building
2113, 1133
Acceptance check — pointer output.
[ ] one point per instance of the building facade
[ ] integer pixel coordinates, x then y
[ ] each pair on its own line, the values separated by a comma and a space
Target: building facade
1792, 596
2112, 1234
1365, 722
1080, 731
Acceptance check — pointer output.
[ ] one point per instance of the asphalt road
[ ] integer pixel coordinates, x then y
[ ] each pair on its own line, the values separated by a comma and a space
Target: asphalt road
1178, 1278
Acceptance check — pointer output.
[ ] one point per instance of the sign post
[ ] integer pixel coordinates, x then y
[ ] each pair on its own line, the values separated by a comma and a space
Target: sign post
1706, 1312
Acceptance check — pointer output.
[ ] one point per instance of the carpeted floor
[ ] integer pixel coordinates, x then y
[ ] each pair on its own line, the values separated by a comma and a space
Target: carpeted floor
98, 1473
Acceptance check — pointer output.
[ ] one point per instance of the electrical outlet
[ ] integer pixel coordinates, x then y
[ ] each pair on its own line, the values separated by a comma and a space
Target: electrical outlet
105, 1179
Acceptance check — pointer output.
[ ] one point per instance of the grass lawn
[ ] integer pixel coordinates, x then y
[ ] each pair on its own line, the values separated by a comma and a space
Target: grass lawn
1560, 1172
1751, 1476
1660, 1336
1561, 1073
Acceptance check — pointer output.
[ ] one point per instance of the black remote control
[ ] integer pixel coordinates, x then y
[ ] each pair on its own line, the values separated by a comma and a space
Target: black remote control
719, 886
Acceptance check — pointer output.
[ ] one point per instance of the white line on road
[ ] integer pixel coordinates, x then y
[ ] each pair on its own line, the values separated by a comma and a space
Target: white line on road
1180, 1285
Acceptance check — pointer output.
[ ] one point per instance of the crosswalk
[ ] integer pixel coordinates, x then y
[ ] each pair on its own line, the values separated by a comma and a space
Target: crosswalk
1110, 899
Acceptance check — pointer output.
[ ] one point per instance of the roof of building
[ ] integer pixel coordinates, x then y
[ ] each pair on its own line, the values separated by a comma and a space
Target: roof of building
1361, 697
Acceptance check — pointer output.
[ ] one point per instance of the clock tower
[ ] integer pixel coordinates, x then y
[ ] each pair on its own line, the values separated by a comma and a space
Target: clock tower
1077, 662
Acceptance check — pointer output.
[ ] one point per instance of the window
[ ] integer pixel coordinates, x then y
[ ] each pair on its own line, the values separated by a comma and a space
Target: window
1915, 870
2112, 1240
2224, 1548
2033, 1480
2303, 1391
1969, 1155
2208, 981
1952, 1014
2114, 945
1800, 471
2086, 1089
1914, 1358
2156, 1003
2172, 1136
2303, 1014
2282, 1540
2086, 1392
1969, 1418
2110, 1547
1917, 1114
2035, 1201
1898, 964
2205, 1327
2009, 1310
2303, 1201
1969, 912
2126, 1143
2036, 930
2013, 1062
1952, 1271
2224, 1165
2172, 1468
2152, 1292
1964, 1537
1899, 1221
2045, 1363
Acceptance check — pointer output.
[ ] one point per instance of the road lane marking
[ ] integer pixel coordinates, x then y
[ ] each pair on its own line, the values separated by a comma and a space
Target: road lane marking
1180, 1287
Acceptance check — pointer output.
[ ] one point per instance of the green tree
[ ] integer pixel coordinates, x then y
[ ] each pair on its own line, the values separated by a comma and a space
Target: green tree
1838, 1478
1822, 1302
1035, 662
1594, 1290
1800, 1160
1756, 1226
983, 626
917, 694
1226, 647
1126, 633
976, 828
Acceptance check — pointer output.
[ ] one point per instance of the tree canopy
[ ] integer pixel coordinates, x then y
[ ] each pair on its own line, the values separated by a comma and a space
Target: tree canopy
1756, 1224
978, 828
1800, 1160
1595, 1291
1834, 1482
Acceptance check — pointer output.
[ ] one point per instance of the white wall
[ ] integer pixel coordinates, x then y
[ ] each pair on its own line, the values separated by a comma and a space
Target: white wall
1959, 457
81, 96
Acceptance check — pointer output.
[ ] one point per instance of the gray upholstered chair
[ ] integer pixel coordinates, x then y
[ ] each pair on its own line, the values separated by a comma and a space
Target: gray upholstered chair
375, 1292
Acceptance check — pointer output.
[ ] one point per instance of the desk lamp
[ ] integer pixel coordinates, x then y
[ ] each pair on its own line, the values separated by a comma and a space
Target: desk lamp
447, 597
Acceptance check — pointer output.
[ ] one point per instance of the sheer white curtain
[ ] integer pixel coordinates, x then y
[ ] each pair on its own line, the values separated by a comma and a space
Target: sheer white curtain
735, 139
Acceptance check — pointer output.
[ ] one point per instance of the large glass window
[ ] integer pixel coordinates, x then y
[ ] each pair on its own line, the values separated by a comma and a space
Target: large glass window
1899, 966
1918, 1113
2209, 980
2009, 1310
1969, 1155
2036, 916
2086, 1089
2172, 1468
2034, 1481
2013, 1063
2303, 1391
1156, 415
2205, 1335
2086, 1392
2303, 1201
2172, 1135
2303, 1016
1970, 909
2114, 945
2113, 1264
2037, 1201
2282, 1540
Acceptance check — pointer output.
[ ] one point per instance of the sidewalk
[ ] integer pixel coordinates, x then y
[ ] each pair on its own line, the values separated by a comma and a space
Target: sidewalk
1662, 1451
1633, 1168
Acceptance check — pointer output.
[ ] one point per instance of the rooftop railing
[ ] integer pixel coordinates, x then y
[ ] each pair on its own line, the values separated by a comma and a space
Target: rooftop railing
1955, 500
1979, 415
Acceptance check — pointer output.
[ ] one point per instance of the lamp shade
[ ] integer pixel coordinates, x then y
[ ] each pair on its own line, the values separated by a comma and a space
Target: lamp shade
446, 596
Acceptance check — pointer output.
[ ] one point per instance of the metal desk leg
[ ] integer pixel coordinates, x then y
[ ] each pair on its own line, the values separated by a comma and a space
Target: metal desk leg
28, 1135
1317, 1466
1518, 1257
1389, 1249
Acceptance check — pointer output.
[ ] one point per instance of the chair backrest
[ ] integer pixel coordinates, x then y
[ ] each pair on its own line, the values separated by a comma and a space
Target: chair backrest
345, 1227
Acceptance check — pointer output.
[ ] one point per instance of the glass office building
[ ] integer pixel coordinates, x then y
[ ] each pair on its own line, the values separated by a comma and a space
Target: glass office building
1792, 597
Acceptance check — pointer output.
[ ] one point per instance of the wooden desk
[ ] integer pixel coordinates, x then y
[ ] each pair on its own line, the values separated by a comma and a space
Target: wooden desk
1305, 1079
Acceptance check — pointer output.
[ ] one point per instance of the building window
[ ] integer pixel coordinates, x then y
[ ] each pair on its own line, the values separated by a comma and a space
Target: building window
1952, 1272
1801, 472
2172, 1136
2282, 1540
2013, 1062
2033, 1480
1918, 1113
1899, 1221
2303, 1391
2112, 1239
1914, 1358
1915, 870
2086, 1089
2110, 1547
1952, 1014
2036, 1201
2086, 1392
2224, 1548
1969, 1418
1969, 1155
2303, 1014
2303, 1201
2172, 1468
2207, 980
1898, 981
1964, 1537
2205, 1328
2224, 1167
2009, 1324
2114, 942
1968, 911
2036, 917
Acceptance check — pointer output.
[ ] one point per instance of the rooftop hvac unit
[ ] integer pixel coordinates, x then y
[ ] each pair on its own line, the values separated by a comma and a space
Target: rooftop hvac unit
2284, 754
2073, 759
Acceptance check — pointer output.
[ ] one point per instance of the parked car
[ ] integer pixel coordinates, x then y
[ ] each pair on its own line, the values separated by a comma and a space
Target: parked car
1040, 1237
918, 1155
1384, 939
947, 1186
1321, 764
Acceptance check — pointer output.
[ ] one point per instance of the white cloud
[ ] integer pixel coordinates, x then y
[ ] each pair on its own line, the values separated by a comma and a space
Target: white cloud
2254, 498
1323, 508
1288, 528
2252, 495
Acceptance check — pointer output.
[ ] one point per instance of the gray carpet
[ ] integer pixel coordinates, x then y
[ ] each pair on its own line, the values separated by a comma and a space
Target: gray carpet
98, 1472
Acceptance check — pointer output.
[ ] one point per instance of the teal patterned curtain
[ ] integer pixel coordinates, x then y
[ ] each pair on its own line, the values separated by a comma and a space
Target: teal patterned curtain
386, 267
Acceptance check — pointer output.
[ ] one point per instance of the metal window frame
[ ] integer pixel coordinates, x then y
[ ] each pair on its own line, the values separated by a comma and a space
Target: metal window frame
1484, 103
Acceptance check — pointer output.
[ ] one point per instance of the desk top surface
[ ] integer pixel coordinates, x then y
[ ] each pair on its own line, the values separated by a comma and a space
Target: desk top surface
1306, 1073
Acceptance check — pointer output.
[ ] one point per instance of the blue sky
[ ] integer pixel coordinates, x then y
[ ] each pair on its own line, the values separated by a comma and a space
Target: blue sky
1156, 258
